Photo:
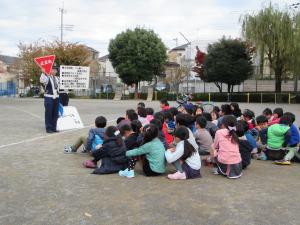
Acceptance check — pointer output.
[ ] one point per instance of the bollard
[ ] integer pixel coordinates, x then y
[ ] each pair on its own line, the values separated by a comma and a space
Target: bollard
289, 98
275, 99
156, 96
208, 97
261, 98
248, 97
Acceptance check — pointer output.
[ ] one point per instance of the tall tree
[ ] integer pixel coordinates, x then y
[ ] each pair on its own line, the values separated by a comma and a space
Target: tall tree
227, 61
178, 75
137, 55
66, 54
272, 32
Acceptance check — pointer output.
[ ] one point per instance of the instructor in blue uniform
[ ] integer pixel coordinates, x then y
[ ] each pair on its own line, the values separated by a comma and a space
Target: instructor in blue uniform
51, 95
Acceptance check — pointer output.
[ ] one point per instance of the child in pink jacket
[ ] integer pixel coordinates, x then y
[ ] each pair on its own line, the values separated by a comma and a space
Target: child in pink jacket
225, 149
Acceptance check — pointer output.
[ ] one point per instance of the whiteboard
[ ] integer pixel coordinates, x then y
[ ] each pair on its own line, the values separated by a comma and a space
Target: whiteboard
69, 120
74, 77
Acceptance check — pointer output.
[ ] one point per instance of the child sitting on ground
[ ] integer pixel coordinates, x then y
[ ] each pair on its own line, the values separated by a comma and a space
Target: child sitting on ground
160, 116
150, 113
111, 154
93, 141
184, 156
249, 137
268, 114
153, 162
169, 120
277, 114
277, 137
142, 115
249, 117
293, 144
131, 115
210, 126
202, 136
131, 134
225, 149
161, 135
164, 105
244, 145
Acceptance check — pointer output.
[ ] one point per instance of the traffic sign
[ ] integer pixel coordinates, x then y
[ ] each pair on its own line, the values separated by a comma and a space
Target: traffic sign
45, 63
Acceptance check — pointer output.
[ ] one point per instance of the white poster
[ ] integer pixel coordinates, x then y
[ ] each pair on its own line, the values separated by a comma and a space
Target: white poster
70, 119
74, 77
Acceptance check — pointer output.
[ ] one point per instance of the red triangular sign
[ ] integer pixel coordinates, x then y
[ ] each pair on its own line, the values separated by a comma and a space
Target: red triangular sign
45, 63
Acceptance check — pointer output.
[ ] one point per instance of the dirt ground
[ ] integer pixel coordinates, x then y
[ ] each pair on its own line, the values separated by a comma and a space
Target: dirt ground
41, 185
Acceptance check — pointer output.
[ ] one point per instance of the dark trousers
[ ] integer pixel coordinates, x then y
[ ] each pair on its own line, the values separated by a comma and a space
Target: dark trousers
51, 113
64, 99
275, 154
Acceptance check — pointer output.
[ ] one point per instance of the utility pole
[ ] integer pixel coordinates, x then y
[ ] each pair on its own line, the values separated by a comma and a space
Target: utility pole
63, 26
189, 59
176, 41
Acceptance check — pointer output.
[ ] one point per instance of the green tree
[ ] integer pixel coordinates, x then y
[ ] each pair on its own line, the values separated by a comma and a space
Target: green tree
65, 54
137, 55
273, 33
227, 61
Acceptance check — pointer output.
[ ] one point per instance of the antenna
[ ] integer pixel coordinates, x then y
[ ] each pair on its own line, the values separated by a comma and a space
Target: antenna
66, 27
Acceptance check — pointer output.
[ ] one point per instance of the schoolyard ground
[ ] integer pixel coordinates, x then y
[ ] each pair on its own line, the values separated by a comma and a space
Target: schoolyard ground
41, 185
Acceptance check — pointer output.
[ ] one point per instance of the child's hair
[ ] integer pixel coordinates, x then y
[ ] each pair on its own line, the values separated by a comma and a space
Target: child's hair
131, 114
235, 106
150, 133
164, 102
141, 104
240, 129
168, 116
207, 116
201, 121
189, 108
100, 122
267, 111
261, 119
184, 119
183, 134
157, 123
112, 131
160, 116
230, 122
291, 115
216, 113
226, 109
174, 111
136, 126
120, 119
142, 112
278, 111
199, 107
247, 113
149, 111
286, 120
124, 128
216, 109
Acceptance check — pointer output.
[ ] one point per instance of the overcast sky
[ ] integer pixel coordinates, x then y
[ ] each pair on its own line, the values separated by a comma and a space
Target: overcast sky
97, 21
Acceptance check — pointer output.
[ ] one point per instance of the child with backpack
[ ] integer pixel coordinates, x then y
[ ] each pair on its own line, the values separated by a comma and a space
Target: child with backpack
293, 143
184, 156
93, 141
152, 154
225, 149
111, 154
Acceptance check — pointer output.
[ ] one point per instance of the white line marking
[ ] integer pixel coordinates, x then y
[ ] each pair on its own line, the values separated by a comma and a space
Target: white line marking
46, 136
24, 111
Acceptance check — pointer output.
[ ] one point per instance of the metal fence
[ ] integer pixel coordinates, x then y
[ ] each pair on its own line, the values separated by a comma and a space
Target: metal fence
7, 88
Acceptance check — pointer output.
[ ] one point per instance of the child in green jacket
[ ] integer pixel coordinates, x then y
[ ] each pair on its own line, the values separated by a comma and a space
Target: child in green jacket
154, 161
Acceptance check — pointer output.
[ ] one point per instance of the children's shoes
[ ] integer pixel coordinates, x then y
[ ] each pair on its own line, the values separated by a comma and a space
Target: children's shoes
177, 176
126, 173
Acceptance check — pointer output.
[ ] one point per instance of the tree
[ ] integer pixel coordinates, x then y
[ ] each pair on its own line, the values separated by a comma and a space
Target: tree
178, 75
65, 54
273, 33
137, 55
227, 61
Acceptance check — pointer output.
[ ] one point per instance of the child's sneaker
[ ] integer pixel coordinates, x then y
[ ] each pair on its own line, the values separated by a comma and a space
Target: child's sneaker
126, 173
215, 171
83, 150
89, 164
177, 176
68, 150
262, 156
282, 162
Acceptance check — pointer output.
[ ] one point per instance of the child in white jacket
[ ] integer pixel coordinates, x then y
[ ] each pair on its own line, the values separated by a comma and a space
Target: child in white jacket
184, 156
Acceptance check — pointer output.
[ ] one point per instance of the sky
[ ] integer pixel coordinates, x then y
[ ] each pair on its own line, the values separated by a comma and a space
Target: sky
97, 21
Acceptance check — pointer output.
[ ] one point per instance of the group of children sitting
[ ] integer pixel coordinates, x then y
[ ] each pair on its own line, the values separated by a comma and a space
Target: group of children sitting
225, 138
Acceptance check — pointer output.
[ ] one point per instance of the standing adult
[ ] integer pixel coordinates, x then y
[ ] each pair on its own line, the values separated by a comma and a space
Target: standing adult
51, 98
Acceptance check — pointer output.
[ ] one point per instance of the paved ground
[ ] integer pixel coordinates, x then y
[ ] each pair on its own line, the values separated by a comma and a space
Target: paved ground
41, 185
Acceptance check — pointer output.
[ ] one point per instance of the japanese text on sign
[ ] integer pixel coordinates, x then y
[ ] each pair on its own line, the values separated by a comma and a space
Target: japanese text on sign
74, 77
